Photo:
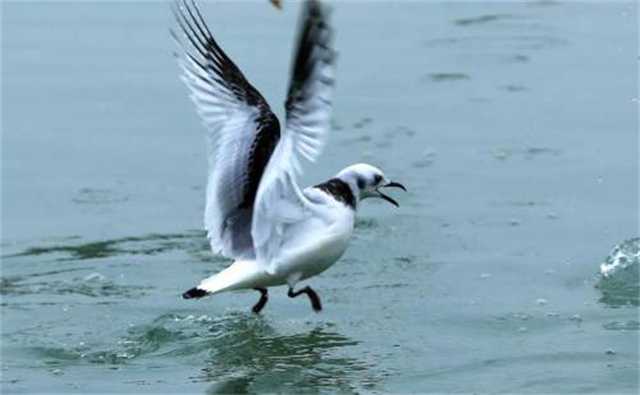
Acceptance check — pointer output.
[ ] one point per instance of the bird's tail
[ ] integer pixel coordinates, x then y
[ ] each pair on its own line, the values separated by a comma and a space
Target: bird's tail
240, 275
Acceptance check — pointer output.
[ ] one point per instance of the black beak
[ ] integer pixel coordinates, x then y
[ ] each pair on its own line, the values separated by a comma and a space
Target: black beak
392, 185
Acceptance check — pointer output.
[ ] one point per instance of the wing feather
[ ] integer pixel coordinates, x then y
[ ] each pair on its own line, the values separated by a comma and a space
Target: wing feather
280, 203
242, 132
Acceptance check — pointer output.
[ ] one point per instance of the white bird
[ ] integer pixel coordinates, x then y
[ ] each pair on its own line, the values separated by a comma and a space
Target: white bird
256, 214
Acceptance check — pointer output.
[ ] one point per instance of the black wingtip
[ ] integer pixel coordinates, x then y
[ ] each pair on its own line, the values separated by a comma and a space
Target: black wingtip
194, 293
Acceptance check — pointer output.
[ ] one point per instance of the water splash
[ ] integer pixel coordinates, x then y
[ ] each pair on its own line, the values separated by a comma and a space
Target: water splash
619, 279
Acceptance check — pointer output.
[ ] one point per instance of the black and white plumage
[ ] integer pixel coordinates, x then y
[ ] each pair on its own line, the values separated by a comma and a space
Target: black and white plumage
243, 132
255, 211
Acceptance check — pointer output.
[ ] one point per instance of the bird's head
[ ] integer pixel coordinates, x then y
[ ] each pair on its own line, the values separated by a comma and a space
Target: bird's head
366, 181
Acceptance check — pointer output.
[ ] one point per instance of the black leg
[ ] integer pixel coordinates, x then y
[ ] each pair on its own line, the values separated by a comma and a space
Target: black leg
264, 297
313, 297
194, 293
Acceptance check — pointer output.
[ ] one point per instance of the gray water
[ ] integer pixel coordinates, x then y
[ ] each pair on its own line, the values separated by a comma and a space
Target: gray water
514, 126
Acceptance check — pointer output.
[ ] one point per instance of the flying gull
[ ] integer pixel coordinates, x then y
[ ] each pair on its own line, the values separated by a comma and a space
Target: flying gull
256, 213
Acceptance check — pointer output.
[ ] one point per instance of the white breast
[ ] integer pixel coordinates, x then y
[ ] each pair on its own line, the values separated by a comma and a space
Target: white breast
313, 245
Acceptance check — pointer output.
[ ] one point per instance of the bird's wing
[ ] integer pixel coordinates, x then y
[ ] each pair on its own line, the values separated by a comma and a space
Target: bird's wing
242, 133
280, 202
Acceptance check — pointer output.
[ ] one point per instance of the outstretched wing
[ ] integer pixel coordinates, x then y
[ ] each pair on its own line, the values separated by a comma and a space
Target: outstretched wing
242, 133
280, 202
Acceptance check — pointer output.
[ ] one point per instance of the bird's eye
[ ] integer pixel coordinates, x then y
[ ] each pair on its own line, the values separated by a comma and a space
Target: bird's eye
377, 178
361, 183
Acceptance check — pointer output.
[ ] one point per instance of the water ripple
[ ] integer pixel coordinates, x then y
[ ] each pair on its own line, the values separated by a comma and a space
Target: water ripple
151, 244
489, 43
94, 285
482, 19
236, 350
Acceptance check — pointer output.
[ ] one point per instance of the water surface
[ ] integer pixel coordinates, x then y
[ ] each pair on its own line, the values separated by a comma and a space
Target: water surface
514, 126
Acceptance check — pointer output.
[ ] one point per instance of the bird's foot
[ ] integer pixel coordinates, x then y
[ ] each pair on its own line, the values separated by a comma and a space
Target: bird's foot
313, 297
264, 297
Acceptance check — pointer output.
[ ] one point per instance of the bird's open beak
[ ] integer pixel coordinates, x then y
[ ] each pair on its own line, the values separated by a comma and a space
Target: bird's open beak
391, 185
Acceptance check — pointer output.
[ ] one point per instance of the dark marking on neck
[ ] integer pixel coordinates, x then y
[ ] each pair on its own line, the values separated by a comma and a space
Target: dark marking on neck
340, 191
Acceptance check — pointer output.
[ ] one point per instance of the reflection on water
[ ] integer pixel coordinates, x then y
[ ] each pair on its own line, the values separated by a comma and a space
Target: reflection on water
237, 353
253, 356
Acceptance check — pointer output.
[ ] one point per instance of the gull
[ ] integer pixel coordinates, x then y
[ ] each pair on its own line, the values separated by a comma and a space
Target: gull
256, 214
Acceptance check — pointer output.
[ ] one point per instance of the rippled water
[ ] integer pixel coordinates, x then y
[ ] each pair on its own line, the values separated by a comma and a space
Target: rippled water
514, 125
